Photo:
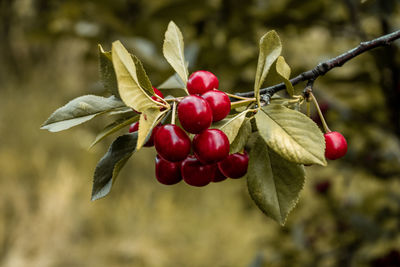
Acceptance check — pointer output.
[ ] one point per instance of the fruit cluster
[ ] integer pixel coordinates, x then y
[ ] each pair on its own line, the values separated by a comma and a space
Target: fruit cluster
210, 161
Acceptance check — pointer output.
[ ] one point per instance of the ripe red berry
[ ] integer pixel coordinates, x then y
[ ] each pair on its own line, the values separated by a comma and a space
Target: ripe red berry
219, 102
218, 176
235, 165
211, 146
157, 92
202, 81
322, 187
168, 173
172, 143
135, 126
196, 173
194, 114
336, 145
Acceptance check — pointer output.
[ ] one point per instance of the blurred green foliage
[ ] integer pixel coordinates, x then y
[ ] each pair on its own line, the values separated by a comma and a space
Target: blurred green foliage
347, 215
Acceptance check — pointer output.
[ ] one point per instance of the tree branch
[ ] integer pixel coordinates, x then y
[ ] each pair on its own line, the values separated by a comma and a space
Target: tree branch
326, 66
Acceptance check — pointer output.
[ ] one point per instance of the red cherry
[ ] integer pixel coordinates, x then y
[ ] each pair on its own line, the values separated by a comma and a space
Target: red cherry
218, 176
235, 165
172, 143
196, 173
336, 145
211, 146
202, 81
168, 173
194, 114
157, 92
135, 126
219, 102
322, 187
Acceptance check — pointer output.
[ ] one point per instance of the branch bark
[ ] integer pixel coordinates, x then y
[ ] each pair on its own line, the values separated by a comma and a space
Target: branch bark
326, 66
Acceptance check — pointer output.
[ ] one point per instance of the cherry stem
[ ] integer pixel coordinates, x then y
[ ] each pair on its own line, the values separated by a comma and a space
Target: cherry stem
163, 102
308, 109
173, 112
324, 124
174, 99
239, 97
239, 103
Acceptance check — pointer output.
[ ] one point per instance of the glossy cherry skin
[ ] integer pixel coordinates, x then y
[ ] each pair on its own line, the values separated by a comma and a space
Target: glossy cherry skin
135, 126
196, 173
219, 102
168, 173
218, 176
195, 114
172, 143
235, 165
202, 81
157, 92
211, 146
336, 145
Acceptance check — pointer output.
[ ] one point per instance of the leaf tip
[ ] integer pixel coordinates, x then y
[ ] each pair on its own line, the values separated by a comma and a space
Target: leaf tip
102, 192
171, 23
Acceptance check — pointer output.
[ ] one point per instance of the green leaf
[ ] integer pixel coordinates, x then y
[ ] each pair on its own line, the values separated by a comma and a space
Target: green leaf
173, 50
173, 82
273, 182
241, 138
231, 125
113, 127
148, 120
112, 162
291, 134
143, 79
80, 110
125, 111
270, 49
129, 87
107, 73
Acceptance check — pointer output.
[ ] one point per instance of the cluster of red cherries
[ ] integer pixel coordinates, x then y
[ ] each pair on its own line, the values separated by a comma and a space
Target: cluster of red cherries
210, 161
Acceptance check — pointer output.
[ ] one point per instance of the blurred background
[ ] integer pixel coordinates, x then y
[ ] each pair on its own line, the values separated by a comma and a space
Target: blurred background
348, 213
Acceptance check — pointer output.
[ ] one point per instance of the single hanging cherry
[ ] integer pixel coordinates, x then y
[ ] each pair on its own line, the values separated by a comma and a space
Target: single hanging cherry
335, 145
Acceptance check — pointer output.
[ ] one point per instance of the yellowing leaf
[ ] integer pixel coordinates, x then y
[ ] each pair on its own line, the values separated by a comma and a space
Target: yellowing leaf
291, 134
270, 49
283, 70
231, 125
173, 50
129, 87
273, 182
148, 120
241, 138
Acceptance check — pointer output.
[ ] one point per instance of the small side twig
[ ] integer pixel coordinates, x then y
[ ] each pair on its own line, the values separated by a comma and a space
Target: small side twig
324, 67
